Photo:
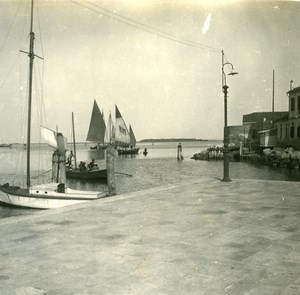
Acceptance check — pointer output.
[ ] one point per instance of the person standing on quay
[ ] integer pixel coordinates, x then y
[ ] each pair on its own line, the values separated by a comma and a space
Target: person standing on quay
179, 152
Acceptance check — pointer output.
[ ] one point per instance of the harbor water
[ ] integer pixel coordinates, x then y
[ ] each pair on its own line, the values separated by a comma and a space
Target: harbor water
160, 167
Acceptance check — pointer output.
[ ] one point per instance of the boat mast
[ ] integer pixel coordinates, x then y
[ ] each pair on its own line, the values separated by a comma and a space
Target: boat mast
31, 58
74, 141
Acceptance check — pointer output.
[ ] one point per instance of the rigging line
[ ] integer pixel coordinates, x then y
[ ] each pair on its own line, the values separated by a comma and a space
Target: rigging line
149, 27
40, 31
40, 74
9, 72
187, 43
22, 43
10, 27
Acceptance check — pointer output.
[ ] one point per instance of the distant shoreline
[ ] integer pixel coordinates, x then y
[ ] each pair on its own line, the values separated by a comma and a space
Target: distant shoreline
172, 139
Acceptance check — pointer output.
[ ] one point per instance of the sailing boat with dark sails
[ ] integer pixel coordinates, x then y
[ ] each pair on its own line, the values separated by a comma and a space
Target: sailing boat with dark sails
82, 172
97, 128
125, 141
50, 195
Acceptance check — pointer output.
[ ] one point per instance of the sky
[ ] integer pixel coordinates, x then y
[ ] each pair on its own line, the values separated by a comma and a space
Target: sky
159, 61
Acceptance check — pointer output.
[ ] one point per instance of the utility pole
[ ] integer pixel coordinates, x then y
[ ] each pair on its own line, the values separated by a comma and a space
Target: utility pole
273, 94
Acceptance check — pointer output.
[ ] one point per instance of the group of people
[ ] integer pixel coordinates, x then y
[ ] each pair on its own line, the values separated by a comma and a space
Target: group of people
82, 165
91, 166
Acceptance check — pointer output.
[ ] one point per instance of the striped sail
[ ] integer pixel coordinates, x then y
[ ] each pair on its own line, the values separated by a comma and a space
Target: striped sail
122, 137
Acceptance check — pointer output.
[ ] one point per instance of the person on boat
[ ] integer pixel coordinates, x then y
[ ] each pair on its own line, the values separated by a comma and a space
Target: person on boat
82, 166
92, 165
69, 159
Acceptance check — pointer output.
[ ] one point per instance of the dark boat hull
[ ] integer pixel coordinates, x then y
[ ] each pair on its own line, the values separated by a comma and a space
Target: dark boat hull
87, 175
5, 145
129, 151
98, 147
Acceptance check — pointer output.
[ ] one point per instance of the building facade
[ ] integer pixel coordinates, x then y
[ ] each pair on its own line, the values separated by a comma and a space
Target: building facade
288, 127
262, 121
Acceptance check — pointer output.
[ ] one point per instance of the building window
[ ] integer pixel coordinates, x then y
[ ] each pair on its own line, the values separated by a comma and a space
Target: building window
292, 131
292, 104
298, 104
298, 131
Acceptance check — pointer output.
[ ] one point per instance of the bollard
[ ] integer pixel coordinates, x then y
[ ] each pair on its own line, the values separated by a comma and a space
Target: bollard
110, 167
179, 152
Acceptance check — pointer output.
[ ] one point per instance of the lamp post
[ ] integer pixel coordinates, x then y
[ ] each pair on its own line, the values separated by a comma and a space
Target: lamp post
226, 137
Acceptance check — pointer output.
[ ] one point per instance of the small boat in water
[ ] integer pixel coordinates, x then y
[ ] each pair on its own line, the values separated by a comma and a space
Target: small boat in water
83, 174
5, 145
97, 174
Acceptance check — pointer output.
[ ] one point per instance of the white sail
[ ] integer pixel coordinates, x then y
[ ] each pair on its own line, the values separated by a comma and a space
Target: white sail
108, 138
132, 137
50, 137
121, 131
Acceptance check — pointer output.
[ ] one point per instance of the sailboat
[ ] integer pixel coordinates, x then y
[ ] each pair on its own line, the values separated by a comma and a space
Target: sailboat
97, 128
109, 131
85, 174
5, 145
125, 141
51, 195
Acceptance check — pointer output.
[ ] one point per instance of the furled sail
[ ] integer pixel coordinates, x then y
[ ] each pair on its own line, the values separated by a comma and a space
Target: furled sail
132, 137
97, 126
121, 131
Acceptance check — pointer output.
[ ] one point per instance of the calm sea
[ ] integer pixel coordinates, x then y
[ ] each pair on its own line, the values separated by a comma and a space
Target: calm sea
159, 167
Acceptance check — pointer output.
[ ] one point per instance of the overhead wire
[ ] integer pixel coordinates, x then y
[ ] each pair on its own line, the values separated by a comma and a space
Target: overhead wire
10, 26
140, 26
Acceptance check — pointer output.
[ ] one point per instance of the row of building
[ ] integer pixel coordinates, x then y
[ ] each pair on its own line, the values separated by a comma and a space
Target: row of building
270, 129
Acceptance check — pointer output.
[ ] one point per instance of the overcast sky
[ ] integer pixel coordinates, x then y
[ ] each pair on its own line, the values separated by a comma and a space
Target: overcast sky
163, 87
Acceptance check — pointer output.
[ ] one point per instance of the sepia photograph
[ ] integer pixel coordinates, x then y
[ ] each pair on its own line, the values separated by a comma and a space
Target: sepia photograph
149, 147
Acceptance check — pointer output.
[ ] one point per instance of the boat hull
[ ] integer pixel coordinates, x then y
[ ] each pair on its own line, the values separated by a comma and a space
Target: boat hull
5, 145
133, 151
87, 175
45, 196
98, 147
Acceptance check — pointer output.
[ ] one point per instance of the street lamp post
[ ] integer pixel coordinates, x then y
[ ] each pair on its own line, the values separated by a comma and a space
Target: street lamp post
226, 135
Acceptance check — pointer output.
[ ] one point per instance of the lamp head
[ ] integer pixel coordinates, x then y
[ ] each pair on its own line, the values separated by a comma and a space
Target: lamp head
232, 73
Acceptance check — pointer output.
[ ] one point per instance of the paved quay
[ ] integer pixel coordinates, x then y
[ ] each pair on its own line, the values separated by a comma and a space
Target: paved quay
198, 237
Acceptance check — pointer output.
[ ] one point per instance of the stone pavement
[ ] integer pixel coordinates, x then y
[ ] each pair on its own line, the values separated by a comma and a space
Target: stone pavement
197, 237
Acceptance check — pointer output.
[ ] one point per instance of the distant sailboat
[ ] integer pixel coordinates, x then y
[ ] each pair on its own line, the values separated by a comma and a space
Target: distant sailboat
5, 145
50, 195
125, 141
109, 131
97, 128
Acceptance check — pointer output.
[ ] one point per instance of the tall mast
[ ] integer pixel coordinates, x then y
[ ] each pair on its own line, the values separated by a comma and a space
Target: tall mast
273, 92
31, 58
74, 140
